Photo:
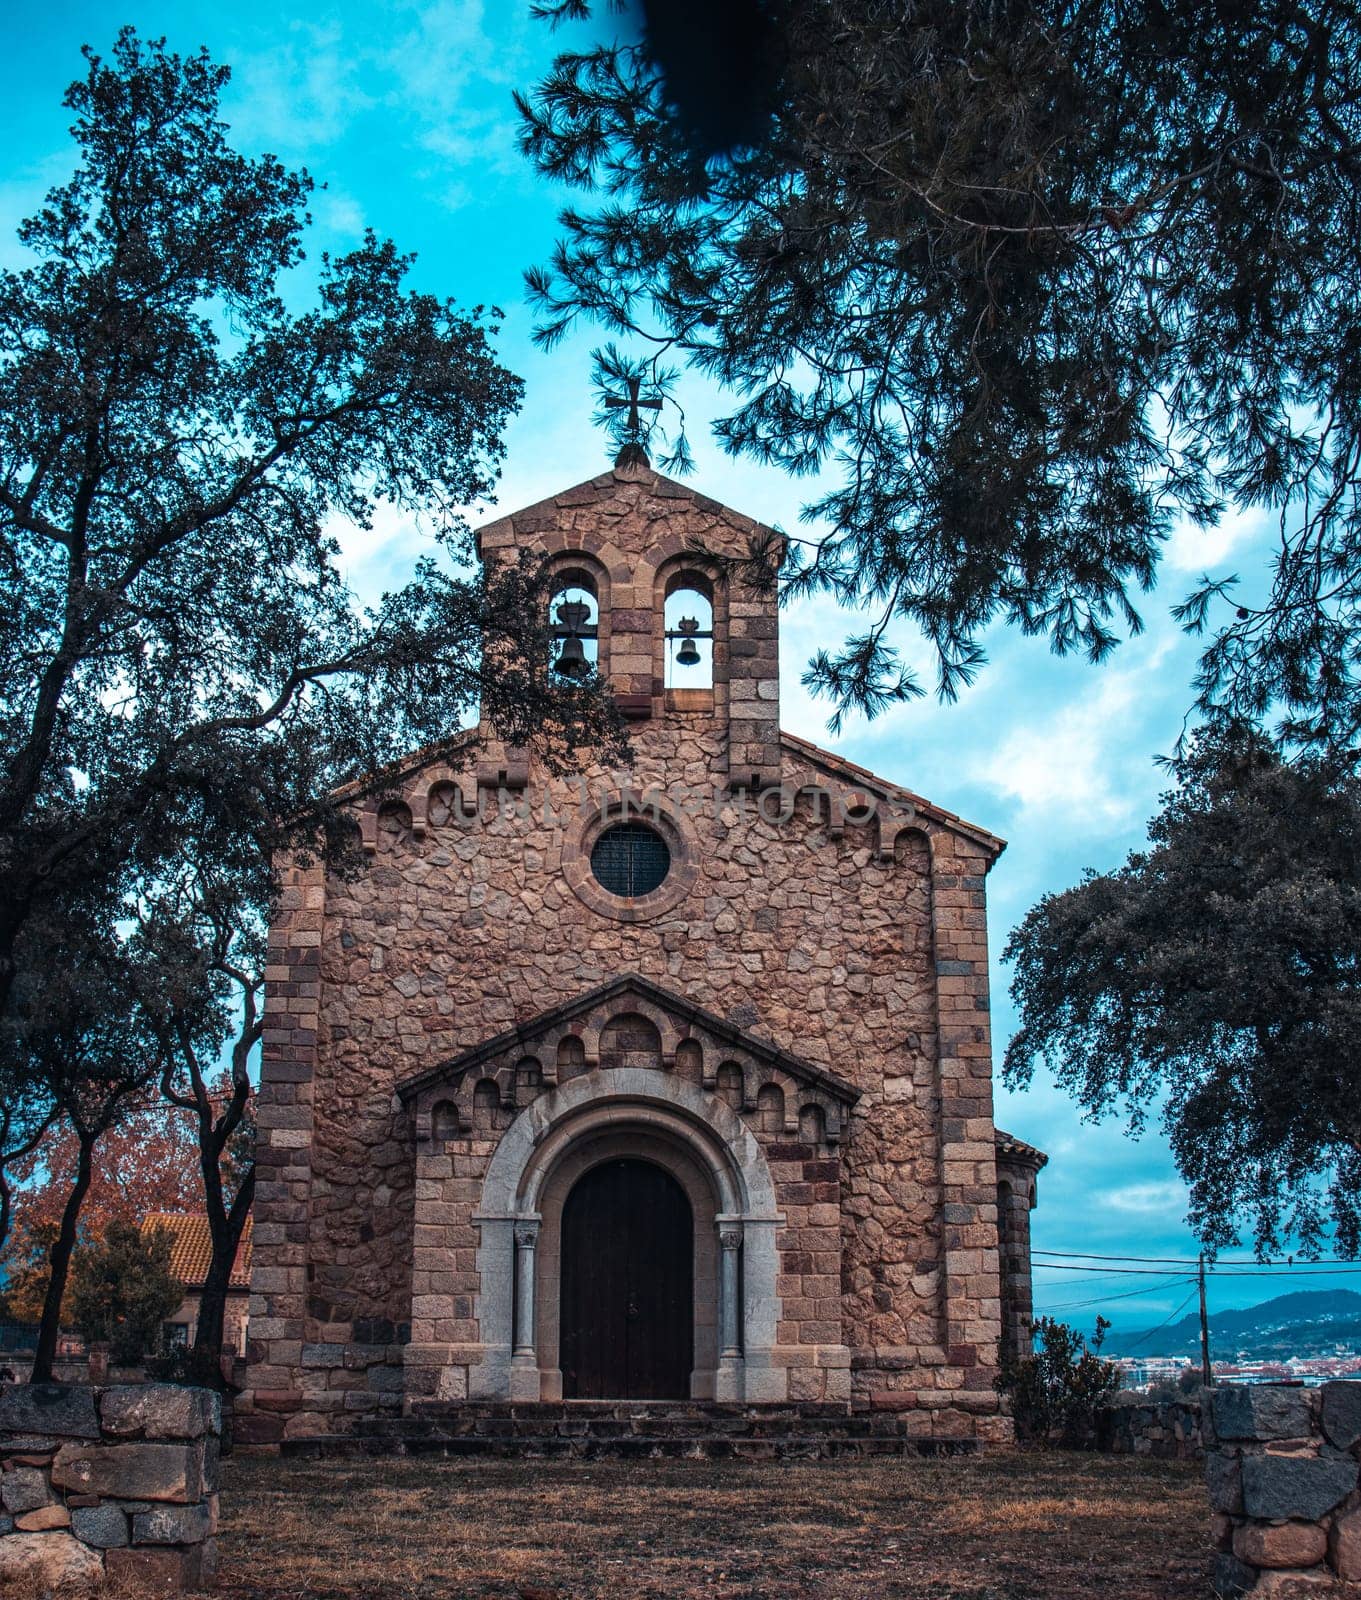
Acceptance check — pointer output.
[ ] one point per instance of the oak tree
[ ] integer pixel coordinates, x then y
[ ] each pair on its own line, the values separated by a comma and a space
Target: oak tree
1215, 979
177, 451
185, 676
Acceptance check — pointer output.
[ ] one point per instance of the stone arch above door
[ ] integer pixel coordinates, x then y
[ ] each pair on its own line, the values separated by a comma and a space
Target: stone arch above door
643, 1097
656, 1116
594, 1030
643, 1076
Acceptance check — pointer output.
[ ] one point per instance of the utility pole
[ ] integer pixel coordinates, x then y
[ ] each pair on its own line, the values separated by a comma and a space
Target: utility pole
1206, 1374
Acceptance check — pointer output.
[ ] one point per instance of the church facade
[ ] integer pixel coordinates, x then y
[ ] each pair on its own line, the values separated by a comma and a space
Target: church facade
671, 1084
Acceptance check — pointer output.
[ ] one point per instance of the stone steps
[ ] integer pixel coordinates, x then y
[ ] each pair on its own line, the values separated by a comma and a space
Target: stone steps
632, 1430
699, 1409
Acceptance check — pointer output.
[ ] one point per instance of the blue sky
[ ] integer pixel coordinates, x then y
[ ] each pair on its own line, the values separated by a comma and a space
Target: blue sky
403, 111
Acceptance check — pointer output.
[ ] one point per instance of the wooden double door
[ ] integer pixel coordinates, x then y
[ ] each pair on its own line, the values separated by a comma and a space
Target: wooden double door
627, 1285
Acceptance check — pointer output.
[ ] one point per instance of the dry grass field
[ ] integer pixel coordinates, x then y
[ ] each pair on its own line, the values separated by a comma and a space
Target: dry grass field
1005, 1527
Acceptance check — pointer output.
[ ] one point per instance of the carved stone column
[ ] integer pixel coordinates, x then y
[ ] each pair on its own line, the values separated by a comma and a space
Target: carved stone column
728, 1380
729, 1318
524, 1365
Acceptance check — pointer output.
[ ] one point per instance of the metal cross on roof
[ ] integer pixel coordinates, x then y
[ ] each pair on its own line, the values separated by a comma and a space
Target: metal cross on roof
634, 424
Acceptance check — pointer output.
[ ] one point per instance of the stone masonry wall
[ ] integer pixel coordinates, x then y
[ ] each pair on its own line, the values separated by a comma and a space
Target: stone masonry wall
862, 952
116, 1482
632, 1028
1135, 1425
1282, 1467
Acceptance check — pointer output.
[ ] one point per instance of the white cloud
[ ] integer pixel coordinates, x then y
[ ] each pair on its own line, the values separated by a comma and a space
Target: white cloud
440, 49
454, 82
1195, 550
304, 91
1071, 759
379, 558
1166, 1199
339, 214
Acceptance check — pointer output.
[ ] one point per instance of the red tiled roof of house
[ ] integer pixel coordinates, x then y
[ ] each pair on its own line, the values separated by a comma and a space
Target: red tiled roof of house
191, 1248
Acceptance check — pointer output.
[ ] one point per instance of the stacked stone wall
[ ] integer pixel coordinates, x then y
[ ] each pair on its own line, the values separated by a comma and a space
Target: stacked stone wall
1164, 1430
117, 1483
1282, 1467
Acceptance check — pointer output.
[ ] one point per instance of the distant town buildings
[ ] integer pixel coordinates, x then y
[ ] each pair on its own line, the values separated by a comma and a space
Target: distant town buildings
1146, 1372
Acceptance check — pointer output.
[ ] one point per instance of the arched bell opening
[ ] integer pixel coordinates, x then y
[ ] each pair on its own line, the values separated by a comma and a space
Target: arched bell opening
688, 630
574, 614
690, 641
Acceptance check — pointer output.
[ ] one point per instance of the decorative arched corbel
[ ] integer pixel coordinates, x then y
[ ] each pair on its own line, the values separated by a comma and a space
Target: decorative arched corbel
418, 801
752, 1079
547, 1047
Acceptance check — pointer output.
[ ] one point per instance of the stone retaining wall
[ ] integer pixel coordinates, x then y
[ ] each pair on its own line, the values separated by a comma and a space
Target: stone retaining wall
118, 1482
1139, 1426
1282, 1467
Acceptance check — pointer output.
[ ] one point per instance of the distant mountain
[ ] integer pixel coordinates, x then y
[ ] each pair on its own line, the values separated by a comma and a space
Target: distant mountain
1311, 1322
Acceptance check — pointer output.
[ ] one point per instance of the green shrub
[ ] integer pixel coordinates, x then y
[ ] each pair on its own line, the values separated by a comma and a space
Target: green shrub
122, 1289
1055, 1390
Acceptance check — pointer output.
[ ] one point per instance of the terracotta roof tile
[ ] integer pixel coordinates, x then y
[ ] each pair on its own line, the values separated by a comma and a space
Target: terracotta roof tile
1010, 1147
191, 1248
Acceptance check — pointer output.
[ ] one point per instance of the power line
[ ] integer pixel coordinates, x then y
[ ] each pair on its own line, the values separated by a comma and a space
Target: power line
1116, 1272
1282, 1277
1180, 1261
1129, 1294
1182, 1307
1278, 1275
1230, 1271
1078, 1283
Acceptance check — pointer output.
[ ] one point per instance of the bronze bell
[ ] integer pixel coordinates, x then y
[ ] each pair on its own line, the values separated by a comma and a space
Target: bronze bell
688, 654
572, 662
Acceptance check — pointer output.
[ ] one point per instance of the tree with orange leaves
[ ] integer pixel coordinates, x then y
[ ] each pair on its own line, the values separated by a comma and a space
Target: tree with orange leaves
147, 1162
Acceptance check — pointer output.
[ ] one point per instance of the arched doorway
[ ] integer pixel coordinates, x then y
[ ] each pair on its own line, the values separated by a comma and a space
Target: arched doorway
629, 1113
626, 1326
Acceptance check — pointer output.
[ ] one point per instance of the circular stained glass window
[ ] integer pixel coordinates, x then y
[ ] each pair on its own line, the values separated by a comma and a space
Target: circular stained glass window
630, 859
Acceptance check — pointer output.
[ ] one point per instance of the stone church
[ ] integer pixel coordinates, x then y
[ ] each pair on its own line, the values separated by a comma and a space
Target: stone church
666, 1085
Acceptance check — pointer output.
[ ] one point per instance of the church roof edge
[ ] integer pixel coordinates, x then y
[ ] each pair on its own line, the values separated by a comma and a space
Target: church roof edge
603, 483
467, 739
397, 772
858, 774
1018, 1152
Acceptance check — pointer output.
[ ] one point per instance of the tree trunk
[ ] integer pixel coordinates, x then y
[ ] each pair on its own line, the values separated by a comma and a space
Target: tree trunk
6, 1157
6, 1208
226, 1228
62, 1249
